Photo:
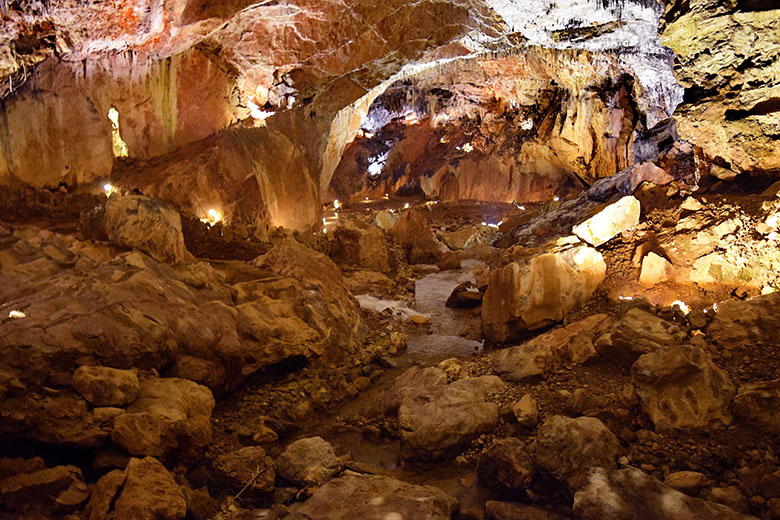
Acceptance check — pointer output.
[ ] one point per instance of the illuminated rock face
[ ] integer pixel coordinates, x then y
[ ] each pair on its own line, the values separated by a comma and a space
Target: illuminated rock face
609, 222
728, 57
539, 291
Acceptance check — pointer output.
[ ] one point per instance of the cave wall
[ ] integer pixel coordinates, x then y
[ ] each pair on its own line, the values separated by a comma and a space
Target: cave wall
56, 128
728, 60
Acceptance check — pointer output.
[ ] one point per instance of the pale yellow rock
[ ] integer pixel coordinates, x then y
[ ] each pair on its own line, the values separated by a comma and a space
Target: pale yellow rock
722, 173
610, 221
691, 204
689, 482
655, 269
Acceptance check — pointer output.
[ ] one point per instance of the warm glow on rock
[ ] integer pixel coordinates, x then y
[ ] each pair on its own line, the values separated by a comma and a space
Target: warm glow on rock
119, 146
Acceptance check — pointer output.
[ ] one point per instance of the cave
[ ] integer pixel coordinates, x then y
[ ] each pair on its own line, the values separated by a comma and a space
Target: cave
403, 260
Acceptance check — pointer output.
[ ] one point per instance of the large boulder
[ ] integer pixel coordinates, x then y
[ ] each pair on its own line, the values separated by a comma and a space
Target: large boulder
413, 232
630, 494
444, 420
749, 323
374, 497
308, 462
361, 244
637, 333
611, 220
758, 405
168, 414
327, 307
680, 387
149, 225
507, 466
247, 468
149, 493
528, 361
104, 386
566, 448
538, 291
412, 385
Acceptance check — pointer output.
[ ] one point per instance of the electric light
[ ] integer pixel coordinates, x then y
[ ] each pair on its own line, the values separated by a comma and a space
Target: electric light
626, 298
213, 216
16, 315
337, 204
109, 189
556, 198
468, 148
683, 307
406, 206
366, 198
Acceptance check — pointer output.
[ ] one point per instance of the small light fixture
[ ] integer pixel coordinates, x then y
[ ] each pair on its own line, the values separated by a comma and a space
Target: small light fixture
556, 198
109, 189
337, 204
683, 307
16, 315
406, 206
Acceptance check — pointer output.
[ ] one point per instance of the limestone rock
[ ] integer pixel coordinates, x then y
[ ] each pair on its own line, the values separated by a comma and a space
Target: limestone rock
386, 220
609, 222
373, 497
448, 261
630, 493
146, 224
413, 232
103, 494
444, 420
364, 245
507, 466
638, 333
655, 269
517, 364
149, 493
458, 239
61, 487
680, 387
465, 295
741, 324
526, 411
308, 462
566, 448
526, 296
688, 482
756, 404
649, 172
104, 386
412, 385
246, 467
169, 413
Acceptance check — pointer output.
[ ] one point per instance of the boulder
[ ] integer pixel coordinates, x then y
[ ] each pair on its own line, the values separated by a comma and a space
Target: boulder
507, 466
374, 497
757, 405
149, 493
610, 221
413, 232
655, 269
444, 420
539, 291
465, 295
637, 333
746, 324
688, 482
104, 386
103, 494
517, 364
361, 244
412, 385
649, 172
680, 387
169, 413
60, 488
448, 261
628, 494
308, 462
247, 467
385, 220
566, 448
526, 411
458, 239
149, 225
